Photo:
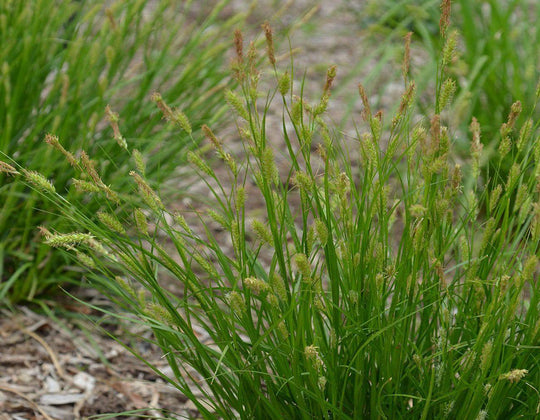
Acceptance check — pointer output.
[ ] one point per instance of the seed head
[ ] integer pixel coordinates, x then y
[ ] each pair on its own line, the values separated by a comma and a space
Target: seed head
269, 43
524, 210
268, 166
90, 169
205, 265
330, 77
235, 236
141, 222
449, 49
303, 182
444, 22
85, 186
366, 113
39, 181
447, 93
456, 179
113, 119
67, 240
482, 415
515, 110
494, 197
297, 111
111, 222
236, 104
514, 375
272, 300
262, 231
178, 218
98, 247
239, 45
535, 226
303, 266
165, 109
282, 330
521, 196
7, 169
489, 229
505, 146
284, 83
376, 127
240, 198
406, 101
252, 56
147, 193
476, 146
485, 357
180, 119
369, 150
85, 260
218, 217
236, 302
256, 285
54, 142
213, 139
312, 355
513, 176
529, 268
322, 231
139, 161
524, 134
278, 286
196, 160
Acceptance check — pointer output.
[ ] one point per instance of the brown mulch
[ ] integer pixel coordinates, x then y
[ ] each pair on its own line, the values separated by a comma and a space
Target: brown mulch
66, 369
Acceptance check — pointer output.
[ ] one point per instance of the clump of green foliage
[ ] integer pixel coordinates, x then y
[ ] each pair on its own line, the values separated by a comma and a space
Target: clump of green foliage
375, 283
59, 68
490, 72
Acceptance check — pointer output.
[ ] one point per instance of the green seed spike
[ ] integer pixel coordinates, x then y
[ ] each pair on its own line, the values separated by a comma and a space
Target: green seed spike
111, 222
39, 181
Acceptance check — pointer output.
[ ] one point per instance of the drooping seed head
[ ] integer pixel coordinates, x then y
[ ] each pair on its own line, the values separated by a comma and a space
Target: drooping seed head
54, 142
7, 169
39, 181
67, 240
147, 193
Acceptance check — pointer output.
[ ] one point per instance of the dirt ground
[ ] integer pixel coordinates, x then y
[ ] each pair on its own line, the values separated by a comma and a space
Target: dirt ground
66, 368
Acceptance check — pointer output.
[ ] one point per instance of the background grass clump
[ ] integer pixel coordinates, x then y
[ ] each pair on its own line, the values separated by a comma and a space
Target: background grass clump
60, 67
380, 279
498, 58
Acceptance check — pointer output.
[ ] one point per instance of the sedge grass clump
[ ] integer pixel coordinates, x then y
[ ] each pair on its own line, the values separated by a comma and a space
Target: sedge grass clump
376, 287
